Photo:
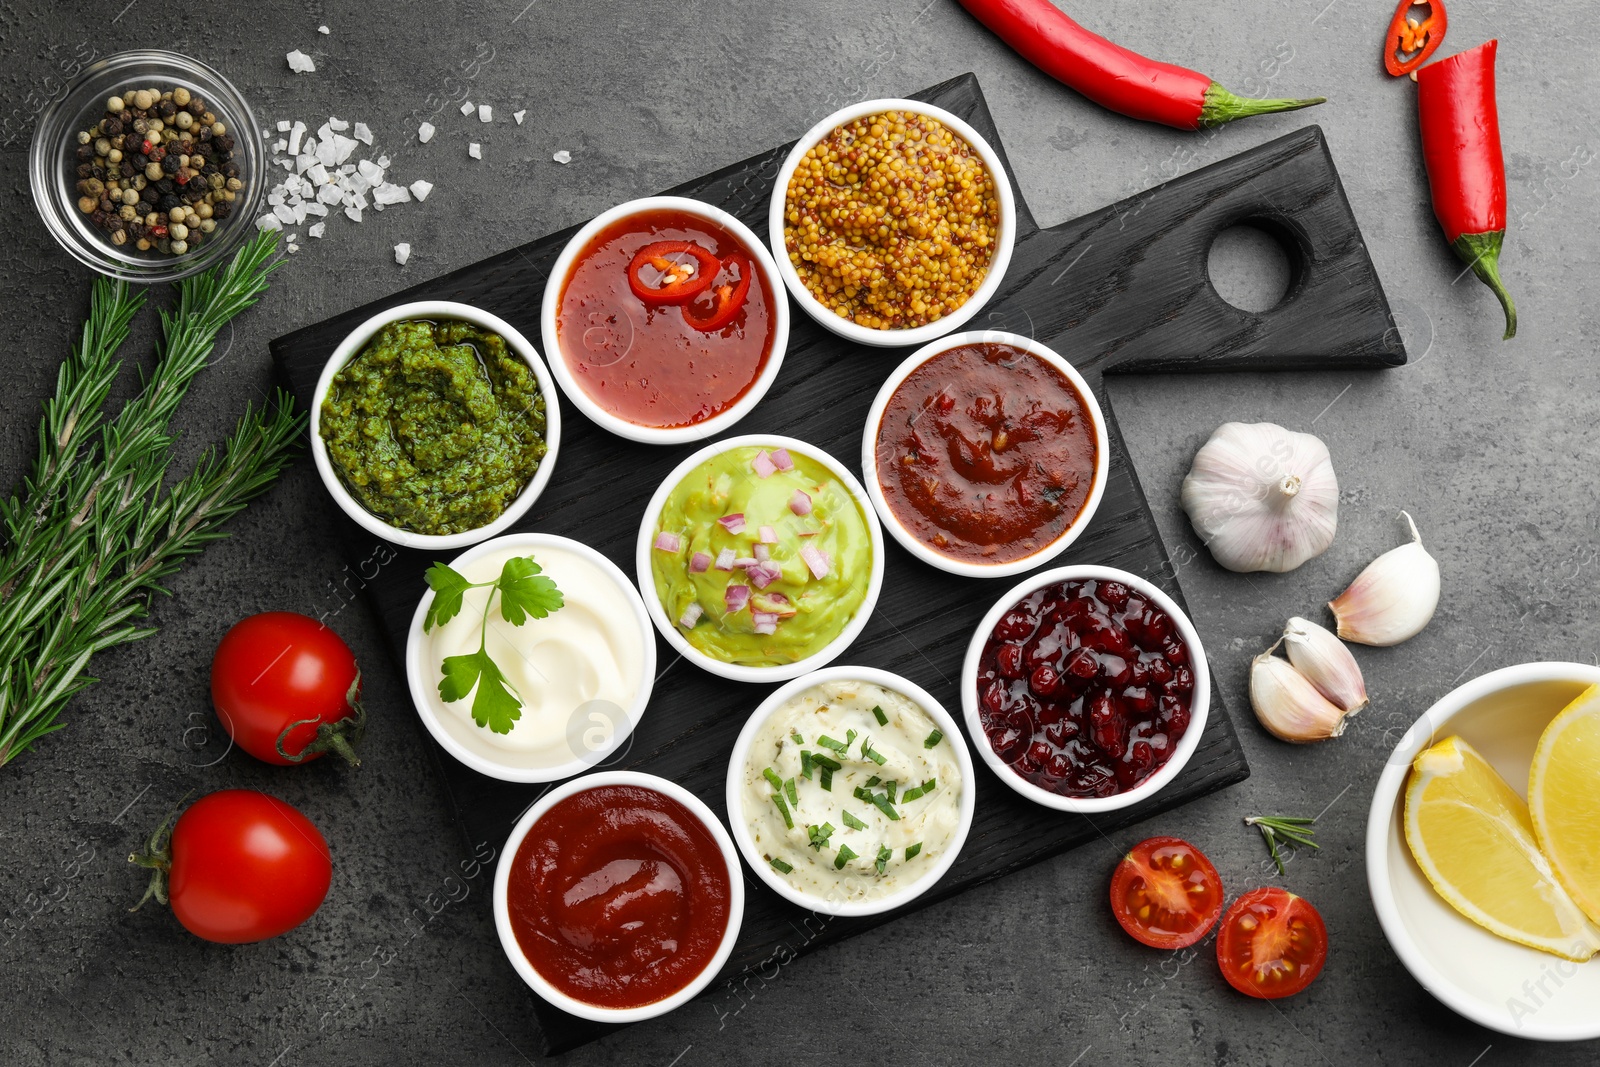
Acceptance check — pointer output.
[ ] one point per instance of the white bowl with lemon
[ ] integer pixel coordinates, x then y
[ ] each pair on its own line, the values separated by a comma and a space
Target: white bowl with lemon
1483, 850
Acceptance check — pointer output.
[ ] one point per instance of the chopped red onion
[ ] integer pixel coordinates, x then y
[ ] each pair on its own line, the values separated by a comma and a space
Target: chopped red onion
817, 560
764, 574
736, 597
781, 460
768, 536
766, 622
763, 465
800, 502
733, 523
691, 615
668, 542
763, 553
725, 559
745, 562
699, 563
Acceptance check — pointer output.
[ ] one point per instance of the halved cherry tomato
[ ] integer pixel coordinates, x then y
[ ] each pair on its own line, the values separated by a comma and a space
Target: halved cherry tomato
675, 282
1411, 41
1272, 943
727, 298
1166, 893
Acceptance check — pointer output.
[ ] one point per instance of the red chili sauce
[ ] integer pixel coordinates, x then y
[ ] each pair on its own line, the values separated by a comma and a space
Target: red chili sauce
645, 362
619, 896
986, 453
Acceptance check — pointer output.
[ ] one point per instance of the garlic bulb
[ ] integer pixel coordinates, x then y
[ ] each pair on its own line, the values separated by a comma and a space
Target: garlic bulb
1262, 498
1392, 599
1326, 664
1288, 705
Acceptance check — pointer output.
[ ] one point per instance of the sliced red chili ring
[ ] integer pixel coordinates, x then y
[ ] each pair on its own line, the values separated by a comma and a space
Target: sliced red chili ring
729, 298
1416, 41
683, 286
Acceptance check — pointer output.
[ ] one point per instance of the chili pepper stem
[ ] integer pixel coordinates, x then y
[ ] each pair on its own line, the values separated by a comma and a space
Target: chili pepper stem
1222, 106
1481, 252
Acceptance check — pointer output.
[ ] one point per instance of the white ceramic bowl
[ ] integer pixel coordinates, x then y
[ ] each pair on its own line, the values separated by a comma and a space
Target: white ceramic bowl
1199, 707
654, 435
739, 672
735, 790
919, 548
921, 334
502, 911
1494, 982
351, 346
462, 738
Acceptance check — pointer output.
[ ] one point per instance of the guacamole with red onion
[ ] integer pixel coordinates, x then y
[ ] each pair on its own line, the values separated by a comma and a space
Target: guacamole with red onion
435, 427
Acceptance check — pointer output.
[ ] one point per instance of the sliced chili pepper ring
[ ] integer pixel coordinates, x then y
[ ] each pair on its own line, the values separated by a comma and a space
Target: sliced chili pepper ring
729, 297
674, 286
1415, 41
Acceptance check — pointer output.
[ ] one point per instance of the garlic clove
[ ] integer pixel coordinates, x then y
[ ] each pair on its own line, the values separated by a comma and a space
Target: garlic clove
1288, 705
1261, 497
1392, 599
1326, 664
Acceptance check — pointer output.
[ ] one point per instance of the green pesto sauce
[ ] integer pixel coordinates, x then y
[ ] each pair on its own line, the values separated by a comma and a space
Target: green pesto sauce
435, 427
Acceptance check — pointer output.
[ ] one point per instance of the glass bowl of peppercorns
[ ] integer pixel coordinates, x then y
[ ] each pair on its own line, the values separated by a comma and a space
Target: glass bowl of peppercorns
149, 167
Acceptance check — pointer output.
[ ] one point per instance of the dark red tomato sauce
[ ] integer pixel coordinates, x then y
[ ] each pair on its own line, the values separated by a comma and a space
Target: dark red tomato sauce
1085, 688
986, 453
619, 896
645, 363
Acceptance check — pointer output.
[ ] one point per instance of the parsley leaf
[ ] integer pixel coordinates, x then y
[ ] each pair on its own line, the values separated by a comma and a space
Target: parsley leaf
448, 588
525, 591
496, 704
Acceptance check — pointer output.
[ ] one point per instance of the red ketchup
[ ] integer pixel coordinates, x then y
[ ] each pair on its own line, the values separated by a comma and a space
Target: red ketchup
619, 896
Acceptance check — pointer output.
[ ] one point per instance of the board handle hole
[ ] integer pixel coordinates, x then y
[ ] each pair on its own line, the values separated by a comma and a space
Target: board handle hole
1255, 264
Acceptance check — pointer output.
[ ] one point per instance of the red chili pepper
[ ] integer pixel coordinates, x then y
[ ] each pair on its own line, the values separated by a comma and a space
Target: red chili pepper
1415, 41
729, 297
680, 285
1115, 77
1466, 172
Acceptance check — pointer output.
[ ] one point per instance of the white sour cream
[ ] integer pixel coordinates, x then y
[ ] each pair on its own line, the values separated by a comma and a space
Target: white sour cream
833, 710
578, 671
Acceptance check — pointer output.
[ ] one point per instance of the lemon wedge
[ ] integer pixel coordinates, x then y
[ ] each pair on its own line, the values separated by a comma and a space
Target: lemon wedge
1473, 838
1564, 798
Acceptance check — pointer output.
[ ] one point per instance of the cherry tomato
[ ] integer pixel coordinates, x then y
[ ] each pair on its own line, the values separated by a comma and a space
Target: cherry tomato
1166, 893
287, 689
240, 866
1272, 943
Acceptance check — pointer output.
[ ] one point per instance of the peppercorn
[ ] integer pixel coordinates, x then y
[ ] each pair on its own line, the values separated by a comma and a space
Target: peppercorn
180, 96
86, 151
118, 237
141, 126
150, 195
232, 171
167, 109
224, 142
222, 210
196, 106
168, 202
169, 163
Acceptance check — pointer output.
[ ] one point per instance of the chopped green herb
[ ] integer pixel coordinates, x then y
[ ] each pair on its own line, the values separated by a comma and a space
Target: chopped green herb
879, 801
840, 747
846, 854
795, 734
890, 788
871, 753
781, 866
825, 780
912, 850
884, 852
772, 777
783, 809
919, 791
877, 713
933, 739
792, 793
805, 763
853, 822
826, 761
874, 780
819, 835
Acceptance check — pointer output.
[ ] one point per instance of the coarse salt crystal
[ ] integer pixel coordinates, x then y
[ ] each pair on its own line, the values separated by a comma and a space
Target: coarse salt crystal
363, 133
425, 132
323, 29
402, 252
295, 135
562, 156
316, 173
329, 194
315, 207
485, 113
293, 248
283, 125
315, 229
268, 222
342, 147
338, 124
327, 153
353, 213
370, 171
475, 150
383, 161
275, 197
389, 193
466, 107
284, 212
518, 116
300, 63
420, 189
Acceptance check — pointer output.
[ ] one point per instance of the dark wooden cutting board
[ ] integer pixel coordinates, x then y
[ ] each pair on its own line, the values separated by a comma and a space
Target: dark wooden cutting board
1123, 290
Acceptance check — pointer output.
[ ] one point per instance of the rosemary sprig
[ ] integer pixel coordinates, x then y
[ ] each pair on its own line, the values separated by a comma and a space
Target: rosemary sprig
1286, 829
91, 533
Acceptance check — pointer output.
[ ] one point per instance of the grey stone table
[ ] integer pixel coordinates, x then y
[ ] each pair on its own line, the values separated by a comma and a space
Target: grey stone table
1489, 445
